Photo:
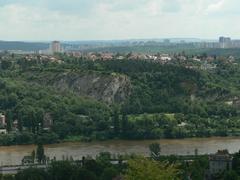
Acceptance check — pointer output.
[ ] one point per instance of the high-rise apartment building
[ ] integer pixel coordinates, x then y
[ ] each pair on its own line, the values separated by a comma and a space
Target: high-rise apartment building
55, 47
166, 41
225, 42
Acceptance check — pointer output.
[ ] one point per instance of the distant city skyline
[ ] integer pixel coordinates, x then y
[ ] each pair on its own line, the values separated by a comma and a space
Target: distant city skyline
70, 20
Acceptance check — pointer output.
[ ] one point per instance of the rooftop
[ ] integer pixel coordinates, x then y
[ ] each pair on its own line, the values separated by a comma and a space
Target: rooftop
221, 155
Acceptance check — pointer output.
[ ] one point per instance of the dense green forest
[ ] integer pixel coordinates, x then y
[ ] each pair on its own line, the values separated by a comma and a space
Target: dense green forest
162, 101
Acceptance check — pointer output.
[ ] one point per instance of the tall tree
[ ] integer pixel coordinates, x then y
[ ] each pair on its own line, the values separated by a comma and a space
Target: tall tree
21, 117
6, 64
124, 124
155, 151
116, 122
33, 155
40, 153
9, 120
39, 119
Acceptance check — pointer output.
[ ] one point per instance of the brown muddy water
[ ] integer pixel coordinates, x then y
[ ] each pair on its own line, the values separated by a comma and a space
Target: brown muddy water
12, 155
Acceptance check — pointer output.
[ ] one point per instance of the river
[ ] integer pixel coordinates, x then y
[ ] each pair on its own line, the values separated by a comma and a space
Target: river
12, 155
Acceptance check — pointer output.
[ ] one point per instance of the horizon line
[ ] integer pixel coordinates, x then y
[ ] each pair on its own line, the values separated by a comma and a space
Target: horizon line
123, 39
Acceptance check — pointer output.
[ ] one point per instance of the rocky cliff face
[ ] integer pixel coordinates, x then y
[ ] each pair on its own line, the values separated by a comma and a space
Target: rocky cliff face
107, 88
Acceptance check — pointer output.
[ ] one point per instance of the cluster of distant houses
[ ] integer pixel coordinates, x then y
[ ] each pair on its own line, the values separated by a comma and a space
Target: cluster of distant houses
207, 62
203, 62
42, 58
130, 56
3, 124
47, 123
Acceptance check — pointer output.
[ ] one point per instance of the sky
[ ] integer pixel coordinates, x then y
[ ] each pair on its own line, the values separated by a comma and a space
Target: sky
43, 20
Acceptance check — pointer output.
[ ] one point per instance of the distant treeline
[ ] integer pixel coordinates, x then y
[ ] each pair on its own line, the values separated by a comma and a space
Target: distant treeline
154, 49
24, 46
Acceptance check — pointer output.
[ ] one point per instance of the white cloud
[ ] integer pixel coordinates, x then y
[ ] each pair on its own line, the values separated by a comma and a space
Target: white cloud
108, 19
216, 7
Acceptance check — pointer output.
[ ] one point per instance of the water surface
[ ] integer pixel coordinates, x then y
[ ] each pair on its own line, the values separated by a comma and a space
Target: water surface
12, 155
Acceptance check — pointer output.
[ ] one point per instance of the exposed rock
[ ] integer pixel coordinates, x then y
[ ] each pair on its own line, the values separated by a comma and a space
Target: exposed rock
107, 88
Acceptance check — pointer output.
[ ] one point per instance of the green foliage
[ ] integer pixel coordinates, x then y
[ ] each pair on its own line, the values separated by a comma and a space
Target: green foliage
116, 122
145, 169
84, 174
124, 126
197, 168
155, 151
166, 101
89, 170
40, 153
61, 170
6, 64
109, 173
231, 175
9, 119
7, 177
236, 162
32, 174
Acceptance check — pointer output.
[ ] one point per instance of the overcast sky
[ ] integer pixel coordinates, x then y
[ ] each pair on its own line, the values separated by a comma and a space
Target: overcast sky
117, 19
